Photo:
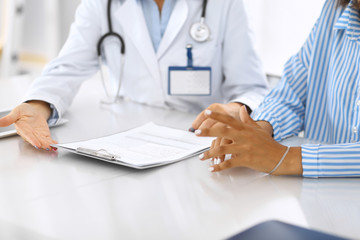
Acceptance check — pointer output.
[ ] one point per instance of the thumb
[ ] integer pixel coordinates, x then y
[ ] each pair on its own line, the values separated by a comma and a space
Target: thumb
9, 119
245, 117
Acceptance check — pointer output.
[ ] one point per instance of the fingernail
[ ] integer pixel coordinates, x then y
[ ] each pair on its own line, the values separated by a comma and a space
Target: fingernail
191, 129
218, 161
36, 147
47, 149
201, 156
198, 132
211, 169
208, 112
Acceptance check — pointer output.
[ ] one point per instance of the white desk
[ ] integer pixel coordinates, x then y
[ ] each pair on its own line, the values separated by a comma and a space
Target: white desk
65, 196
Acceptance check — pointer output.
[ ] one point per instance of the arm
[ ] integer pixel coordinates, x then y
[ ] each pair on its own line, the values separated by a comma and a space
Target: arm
60, 80
77, 61
244, 77
284, 106
337, 160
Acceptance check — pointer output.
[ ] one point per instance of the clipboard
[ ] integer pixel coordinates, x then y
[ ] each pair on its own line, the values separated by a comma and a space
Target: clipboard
147, 146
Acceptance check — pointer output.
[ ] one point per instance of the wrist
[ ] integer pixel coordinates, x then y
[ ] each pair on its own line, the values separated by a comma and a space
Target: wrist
43, 108
292, 164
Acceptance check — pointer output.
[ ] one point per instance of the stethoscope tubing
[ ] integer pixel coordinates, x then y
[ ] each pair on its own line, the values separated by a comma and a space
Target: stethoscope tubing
111, 33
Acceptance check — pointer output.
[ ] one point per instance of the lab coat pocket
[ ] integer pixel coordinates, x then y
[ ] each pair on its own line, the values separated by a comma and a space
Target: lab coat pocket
205, 54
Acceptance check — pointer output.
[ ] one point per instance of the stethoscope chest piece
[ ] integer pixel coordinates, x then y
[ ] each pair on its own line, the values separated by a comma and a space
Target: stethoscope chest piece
200, 32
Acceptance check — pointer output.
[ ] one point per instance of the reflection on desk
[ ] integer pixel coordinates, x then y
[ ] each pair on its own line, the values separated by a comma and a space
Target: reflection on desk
65, 196
332, 204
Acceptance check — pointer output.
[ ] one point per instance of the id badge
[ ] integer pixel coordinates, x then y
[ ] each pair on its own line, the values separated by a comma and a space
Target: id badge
189, 80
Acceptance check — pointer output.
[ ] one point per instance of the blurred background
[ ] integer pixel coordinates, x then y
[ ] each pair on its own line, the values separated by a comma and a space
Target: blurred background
33, 31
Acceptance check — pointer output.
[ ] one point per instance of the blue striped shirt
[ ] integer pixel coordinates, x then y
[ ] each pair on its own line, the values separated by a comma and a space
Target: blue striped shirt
319, 94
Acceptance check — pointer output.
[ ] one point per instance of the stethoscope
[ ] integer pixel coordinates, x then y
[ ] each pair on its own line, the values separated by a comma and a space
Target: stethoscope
199, 31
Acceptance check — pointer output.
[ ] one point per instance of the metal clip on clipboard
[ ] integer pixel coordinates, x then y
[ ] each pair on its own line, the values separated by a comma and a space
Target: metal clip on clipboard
101, 153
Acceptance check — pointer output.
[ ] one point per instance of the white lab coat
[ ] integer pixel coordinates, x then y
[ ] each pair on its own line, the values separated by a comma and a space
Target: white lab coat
236, 69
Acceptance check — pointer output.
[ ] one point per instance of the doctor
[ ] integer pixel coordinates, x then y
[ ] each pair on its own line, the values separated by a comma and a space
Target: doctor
176, 54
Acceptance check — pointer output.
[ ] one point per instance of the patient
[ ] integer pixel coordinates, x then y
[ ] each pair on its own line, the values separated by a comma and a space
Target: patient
319, 94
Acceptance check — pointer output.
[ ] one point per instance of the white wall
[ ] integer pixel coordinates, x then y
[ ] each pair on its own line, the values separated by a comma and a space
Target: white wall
47, 25
281, 27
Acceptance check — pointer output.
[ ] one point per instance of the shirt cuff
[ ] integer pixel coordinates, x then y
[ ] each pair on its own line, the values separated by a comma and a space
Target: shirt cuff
310, 160
54, 117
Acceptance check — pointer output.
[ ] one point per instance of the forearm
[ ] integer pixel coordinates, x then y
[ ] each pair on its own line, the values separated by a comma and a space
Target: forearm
292, 164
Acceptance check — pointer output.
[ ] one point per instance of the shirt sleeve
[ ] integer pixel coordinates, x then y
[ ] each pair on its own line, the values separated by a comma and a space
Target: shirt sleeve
284, 106
76, 62
54, 117
337, 160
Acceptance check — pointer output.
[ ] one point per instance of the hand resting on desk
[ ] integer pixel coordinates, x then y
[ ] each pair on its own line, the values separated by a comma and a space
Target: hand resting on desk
250, 144
30, 120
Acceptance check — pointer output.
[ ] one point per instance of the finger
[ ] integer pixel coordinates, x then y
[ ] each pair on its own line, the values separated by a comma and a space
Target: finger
10, 118
213, 145
207, 123
220, 150
202, 155
220, 131
202, 117
224, 150
224, 142
226, 119
245, 117
198, 120
222, 166
29, 137
54, 148
45, 142
216, 159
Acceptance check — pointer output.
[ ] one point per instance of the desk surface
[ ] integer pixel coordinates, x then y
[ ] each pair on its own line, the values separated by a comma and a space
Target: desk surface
66, 196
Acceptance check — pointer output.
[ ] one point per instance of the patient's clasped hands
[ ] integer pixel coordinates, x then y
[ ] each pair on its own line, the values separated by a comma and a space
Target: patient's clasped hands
250, 144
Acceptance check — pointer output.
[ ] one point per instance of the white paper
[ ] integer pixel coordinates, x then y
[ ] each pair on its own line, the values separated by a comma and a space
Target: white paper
190, 82
147, 145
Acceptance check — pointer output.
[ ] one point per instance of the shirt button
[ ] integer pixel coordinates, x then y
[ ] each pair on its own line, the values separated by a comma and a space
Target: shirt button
358, 103
354, 129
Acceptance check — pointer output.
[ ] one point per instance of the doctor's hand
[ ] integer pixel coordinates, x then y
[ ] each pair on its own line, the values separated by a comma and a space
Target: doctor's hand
202, 121
30, 120
250, 144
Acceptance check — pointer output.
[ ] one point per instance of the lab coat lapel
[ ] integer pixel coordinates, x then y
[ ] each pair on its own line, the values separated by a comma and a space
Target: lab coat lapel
176, 22
132, 20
